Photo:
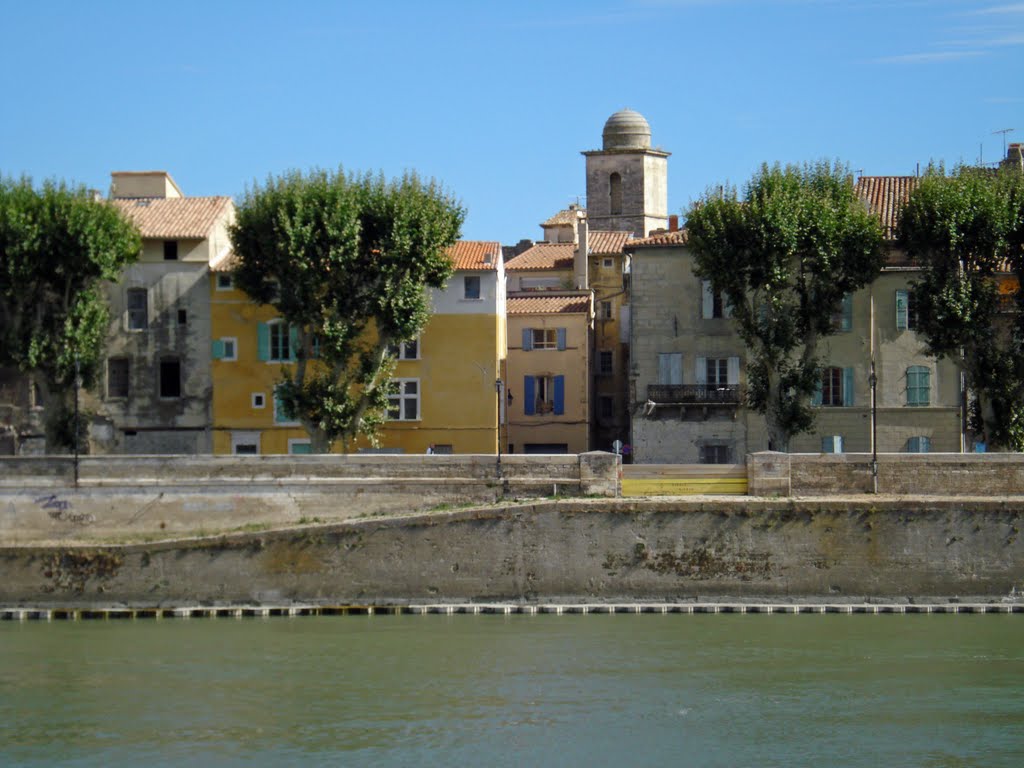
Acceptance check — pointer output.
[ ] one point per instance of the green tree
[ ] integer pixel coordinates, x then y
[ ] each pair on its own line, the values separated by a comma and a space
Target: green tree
346, 260
784, 255
966, 230
57, 246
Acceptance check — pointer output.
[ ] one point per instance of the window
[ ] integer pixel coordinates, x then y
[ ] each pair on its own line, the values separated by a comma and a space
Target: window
606, 407
225, 281
245, 443
843, 319
299, 446
405, 350
605, 362
225, 349
543, 394
138, 309
282, 414
404, 401
471, 287
907, 318
670, 368
717, 372
615, 194
170, 250
918, 385
182, 317
607, 262
832, 444
170, 378
919, 444
714, 304
277, 341
835, 388
443, 449
714, 453
118, 381
259, 400
606, 310
544, 338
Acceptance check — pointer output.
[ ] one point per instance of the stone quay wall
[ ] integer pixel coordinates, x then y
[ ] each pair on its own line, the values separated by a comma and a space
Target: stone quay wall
582, 550
128, 497
909, 474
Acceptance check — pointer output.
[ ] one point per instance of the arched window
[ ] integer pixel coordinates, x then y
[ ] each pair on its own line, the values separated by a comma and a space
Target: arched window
615, 194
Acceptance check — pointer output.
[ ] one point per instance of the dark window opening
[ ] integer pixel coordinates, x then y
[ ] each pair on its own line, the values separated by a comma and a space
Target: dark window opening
471, 284
170, 378
117, 377
182, 317
170, 250
615, 194
138, 309
714, 454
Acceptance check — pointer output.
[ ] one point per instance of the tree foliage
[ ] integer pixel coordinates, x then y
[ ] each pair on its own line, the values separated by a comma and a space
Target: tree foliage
966, 230
57, 245
784, 254
346, 260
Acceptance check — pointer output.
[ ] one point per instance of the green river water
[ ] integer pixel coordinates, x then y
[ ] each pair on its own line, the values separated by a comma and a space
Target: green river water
594, 690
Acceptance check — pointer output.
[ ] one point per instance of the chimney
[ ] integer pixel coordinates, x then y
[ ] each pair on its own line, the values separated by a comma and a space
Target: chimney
673, 223
1014, 157
582, 260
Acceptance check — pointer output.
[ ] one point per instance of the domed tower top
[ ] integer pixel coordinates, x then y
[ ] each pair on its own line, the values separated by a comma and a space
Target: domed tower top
627, 129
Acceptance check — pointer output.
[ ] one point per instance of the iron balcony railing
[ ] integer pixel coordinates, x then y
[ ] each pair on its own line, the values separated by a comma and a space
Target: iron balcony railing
694, 394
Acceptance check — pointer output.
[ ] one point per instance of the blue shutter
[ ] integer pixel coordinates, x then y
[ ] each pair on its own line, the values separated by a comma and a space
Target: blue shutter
529, 395
847, 322
527, 339
832, 444
293, 342
559, 395
561, 338
263, 341
847, 386
901, 310
218, 349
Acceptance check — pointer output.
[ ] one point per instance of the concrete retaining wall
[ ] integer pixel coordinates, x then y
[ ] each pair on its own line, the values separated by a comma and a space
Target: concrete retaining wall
582, 550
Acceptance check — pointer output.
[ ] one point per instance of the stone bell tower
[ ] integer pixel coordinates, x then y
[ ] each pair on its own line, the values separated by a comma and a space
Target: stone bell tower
627, 180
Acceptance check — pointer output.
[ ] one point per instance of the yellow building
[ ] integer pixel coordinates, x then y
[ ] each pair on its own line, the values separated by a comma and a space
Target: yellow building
446, 397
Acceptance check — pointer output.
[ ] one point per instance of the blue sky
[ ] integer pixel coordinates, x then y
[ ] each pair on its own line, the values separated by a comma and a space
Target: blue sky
497, 100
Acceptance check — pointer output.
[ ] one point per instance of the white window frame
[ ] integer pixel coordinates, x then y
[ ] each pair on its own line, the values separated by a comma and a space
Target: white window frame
293, 441
605, 310
401, 397
282, 422
548, 338
225, 276
259, 400
607, 262
245, 438
466, 281
229, 342
400, 351
131, 312
282, 329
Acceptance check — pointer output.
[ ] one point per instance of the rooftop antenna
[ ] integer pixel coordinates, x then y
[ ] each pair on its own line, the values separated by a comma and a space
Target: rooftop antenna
1004, 132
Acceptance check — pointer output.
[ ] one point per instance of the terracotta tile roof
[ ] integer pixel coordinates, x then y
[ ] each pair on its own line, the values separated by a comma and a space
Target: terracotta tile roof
605, 241
657, 239
225, 261
475, 254
175, 217
570, 215
547, 303
884, 196
544, 256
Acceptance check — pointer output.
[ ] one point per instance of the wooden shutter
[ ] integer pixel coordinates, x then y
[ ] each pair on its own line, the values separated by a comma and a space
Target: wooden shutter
847, 386
734, 371
561, 338
293, 342
559, 395
218, 349
700, 370
902, 306
709, 299
263, 341
529, 395
527, 339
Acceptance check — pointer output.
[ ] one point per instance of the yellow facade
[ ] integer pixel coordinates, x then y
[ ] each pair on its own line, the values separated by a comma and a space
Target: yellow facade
449, 397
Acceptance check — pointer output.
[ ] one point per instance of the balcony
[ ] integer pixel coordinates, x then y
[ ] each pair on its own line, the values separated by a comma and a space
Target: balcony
693, 394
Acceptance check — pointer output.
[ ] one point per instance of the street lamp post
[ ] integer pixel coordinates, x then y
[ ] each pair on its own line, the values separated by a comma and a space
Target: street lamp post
74, 429
873, 381
497, 389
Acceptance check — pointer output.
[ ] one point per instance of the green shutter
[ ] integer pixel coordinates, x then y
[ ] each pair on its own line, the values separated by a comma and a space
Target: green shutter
293, 342
263, 341
847, 386
901, 310
218, 349
817, 394
847, 321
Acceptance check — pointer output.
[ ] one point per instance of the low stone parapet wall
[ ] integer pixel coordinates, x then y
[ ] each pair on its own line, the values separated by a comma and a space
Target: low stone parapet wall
128, 497
915, 474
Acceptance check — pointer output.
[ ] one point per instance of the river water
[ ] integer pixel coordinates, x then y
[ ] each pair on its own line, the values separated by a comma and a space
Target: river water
594, 690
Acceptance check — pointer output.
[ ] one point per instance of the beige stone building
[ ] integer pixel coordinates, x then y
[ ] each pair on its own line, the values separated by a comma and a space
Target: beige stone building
688, 374
155, 396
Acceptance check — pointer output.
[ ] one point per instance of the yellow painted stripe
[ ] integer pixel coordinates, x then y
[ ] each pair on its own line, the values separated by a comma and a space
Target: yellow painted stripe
679, 487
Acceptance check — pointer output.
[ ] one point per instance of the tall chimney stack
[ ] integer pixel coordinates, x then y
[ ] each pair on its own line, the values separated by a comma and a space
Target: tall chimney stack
582, 260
